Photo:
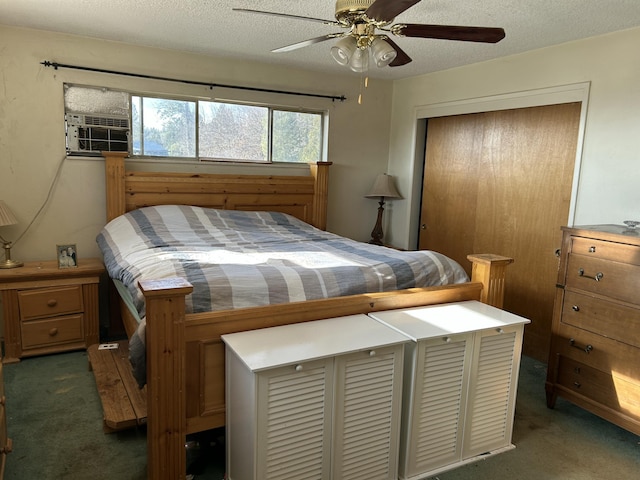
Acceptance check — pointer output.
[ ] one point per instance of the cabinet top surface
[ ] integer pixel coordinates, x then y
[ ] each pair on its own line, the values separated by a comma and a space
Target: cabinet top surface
421, 323
49, 270
289, 344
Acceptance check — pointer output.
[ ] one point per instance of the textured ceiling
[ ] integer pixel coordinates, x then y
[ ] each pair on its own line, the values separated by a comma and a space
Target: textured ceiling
212, 27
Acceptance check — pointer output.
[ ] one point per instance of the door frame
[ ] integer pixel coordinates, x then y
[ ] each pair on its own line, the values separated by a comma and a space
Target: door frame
576, 92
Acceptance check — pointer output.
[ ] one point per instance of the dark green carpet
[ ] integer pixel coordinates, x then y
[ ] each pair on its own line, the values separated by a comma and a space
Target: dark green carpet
54, 417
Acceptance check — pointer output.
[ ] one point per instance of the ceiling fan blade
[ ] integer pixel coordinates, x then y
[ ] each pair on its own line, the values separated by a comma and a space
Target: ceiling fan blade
286, 15
401, 58
306, 43
450, 32
387, 10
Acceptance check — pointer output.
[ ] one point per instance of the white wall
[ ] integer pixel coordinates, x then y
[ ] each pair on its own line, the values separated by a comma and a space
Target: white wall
32, 130
608, 190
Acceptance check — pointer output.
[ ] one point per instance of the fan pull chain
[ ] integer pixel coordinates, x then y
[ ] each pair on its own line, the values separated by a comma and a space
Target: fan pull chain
364, 83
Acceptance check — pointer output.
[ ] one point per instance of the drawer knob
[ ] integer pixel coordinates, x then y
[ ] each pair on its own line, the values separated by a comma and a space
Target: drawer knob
575, 308
372, 353
298, 368
586, 349
597, 277
53, 332
52, 303
577, 384
592, 249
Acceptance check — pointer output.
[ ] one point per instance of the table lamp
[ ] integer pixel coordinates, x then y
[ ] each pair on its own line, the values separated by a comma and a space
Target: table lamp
7, 218
382, 188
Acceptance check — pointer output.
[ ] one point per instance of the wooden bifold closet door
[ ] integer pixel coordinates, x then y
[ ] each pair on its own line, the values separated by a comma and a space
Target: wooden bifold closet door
500, 182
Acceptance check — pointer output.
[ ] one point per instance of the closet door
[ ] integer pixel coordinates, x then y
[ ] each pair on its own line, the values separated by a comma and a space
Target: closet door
500, 182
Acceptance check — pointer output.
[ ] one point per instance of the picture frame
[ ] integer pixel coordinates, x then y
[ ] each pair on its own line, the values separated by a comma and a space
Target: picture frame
67, 255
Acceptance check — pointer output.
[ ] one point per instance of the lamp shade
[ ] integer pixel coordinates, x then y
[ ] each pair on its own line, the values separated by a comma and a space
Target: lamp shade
383, 187
6, 216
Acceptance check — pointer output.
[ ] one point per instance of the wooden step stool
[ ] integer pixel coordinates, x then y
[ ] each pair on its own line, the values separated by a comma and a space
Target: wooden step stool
124, 404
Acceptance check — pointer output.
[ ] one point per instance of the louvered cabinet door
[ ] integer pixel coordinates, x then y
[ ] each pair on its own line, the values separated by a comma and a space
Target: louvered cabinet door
367, 414
437, 407
492, 390
294, 422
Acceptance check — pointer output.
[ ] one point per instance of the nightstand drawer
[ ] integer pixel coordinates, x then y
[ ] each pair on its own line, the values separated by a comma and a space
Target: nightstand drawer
46, 302
52, 331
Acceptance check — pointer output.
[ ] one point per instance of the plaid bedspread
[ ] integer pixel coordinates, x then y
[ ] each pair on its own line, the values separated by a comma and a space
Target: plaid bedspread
238, 259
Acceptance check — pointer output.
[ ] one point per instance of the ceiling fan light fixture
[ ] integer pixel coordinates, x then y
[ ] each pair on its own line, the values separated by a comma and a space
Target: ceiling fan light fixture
344, 49
360, 60
383, 53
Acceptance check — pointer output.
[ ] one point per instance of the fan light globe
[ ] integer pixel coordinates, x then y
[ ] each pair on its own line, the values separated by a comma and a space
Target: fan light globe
343, 50
383, 53
360, 60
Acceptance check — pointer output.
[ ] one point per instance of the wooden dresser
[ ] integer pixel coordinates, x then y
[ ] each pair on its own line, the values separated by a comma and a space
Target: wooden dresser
594, 359
47, 309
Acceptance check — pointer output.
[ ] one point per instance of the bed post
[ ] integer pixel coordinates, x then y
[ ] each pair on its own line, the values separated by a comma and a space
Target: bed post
490, 270
114, 181
166, 382
320, 172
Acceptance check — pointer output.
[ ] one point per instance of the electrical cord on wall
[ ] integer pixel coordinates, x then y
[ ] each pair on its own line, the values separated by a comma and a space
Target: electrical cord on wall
46, 200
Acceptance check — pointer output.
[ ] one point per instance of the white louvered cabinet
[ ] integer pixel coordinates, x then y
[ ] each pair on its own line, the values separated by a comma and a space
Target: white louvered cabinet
460, 381
314, 400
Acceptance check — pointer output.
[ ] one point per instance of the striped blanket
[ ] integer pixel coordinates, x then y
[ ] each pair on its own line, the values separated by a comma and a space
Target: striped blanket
238, 259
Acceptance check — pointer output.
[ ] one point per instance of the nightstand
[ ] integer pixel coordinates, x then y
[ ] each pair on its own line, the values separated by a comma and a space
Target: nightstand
48, 310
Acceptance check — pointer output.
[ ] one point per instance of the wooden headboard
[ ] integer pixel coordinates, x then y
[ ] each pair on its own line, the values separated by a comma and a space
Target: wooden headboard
304, 197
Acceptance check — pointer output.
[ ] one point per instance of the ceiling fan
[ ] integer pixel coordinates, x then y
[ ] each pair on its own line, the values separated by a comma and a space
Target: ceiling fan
369, 23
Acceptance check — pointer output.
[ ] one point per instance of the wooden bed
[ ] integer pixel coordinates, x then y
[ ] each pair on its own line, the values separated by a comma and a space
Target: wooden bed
185, 354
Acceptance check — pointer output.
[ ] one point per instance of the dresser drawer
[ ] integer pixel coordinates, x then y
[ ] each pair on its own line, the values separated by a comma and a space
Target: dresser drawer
602, 317
52, 331
604, 277
596, 351
46, 302
617, 252
603, 387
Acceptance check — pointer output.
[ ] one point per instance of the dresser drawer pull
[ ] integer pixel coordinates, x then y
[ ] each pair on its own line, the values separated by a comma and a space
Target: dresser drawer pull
577, 384
53, 332
597, 277
52, 303
586, 349
575, 308
592, 249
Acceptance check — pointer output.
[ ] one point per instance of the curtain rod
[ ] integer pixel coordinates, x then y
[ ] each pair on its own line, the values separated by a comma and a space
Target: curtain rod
56, 66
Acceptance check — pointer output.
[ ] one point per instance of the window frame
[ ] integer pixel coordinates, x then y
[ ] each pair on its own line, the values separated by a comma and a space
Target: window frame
197, 158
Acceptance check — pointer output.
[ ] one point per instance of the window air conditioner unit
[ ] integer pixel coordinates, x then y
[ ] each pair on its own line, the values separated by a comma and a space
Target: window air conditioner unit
92, 134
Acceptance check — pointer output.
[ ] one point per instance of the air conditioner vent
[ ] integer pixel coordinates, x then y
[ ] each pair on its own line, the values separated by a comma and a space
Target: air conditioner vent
106, 121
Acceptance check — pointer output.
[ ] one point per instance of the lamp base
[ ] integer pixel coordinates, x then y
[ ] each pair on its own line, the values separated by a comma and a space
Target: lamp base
10, 264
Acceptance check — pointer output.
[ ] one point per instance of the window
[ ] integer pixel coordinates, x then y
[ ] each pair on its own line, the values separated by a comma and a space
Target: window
191, 129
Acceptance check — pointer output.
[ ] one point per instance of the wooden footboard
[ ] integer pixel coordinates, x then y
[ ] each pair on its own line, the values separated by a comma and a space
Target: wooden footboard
185, 354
